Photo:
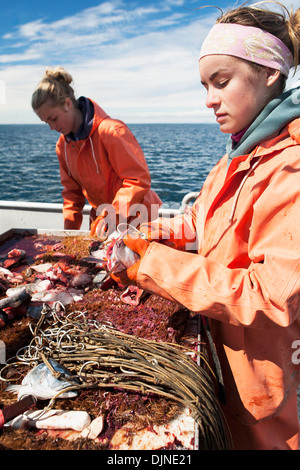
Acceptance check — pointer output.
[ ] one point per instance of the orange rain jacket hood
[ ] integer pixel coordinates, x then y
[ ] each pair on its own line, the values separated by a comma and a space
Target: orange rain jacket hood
246, 275
108, 167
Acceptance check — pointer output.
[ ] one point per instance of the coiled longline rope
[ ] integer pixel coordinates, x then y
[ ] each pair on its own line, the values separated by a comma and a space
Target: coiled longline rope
99, 356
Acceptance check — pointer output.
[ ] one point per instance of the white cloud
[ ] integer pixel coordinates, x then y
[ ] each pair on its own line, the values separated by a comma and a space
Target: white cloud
31, 30
140, 66
28, 55
136, 73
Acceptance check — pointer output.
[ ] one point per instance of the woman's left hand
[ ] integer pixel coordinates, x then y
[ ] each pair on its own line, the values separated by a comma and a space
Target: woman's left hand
103, 226
128, 276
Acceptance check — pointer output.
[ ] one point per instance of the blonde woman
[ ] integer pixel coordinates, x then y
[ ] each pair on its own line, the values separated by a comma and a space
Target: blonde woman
100, 159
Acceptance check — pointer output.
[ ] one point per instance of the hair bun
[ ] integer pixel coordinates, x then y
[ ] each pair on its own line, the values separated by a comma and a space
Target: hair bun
58, 73
54, 87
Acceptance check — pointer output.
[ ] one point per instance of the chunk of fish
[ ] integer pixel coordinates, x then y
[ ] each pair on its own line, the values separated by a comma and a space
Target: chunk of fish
15, 299
52, 419
41, 383
14, 258
118, 255
5, 273
93, 430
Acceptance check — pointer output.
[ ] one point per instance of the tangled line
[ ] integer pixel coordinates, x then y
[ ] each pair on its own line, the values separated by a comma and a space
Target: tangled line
99, 356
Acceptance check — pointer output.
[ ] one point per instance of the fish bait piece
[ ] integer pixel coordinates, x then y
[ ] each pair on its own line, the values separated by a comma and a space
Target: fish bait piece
30, 289
15, 299
81, 279
5, 273
118, 254
52, 419
58, 419
93, 430
41, 383
14, 258
132, 295
51, 296
123, 255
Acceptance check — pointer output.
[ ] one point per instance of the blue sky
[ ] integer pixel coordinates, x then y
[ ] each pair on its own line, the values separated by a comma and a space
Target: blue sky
137, 59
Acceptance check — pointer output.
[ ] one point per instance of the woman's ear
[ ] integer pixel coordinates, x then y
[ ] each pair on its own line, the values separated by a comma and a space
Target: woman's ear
271, 76
67, 104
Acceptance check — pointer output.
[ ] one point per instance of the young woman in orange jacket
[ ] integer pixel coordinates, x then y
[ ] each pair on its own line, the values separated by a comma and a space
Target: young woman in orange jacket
244, 226
100, 159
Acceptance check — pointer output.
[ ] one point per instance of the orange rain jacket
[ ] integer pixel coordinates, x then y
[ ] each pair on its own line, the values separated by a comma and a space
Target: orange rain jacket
246, 279
108, 167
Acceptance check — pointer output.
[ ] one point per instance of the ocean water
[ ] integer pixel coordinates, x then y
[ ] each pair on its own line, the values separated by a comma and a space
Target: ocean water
179, 157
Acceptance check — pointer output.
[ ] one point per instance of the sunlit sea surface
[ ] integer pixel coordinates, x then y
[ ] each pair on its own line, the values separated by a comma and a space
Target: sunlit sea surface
179, 157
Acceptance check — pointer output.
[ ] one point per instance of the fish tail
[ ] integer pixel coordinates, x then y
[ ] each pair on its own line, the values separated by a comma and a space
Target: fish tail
13, 388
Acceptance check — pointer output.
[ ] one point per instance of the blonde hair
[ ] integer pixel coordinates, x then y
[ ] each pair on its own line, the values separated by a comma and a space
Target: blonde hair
53, 88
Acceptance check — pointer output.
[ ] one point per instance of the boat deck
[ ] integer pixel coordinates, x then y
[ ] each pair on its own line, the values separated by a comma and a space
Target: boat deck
133, 421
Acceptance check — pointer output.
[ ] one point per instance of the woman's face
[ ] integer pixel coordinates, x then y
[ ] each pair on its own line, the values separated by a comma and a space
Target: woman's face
235, 91
62, 119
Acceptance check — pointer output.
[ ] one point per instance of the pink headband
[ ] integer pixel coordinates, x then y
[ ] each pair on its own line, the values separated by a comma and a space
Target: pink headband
249, 43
